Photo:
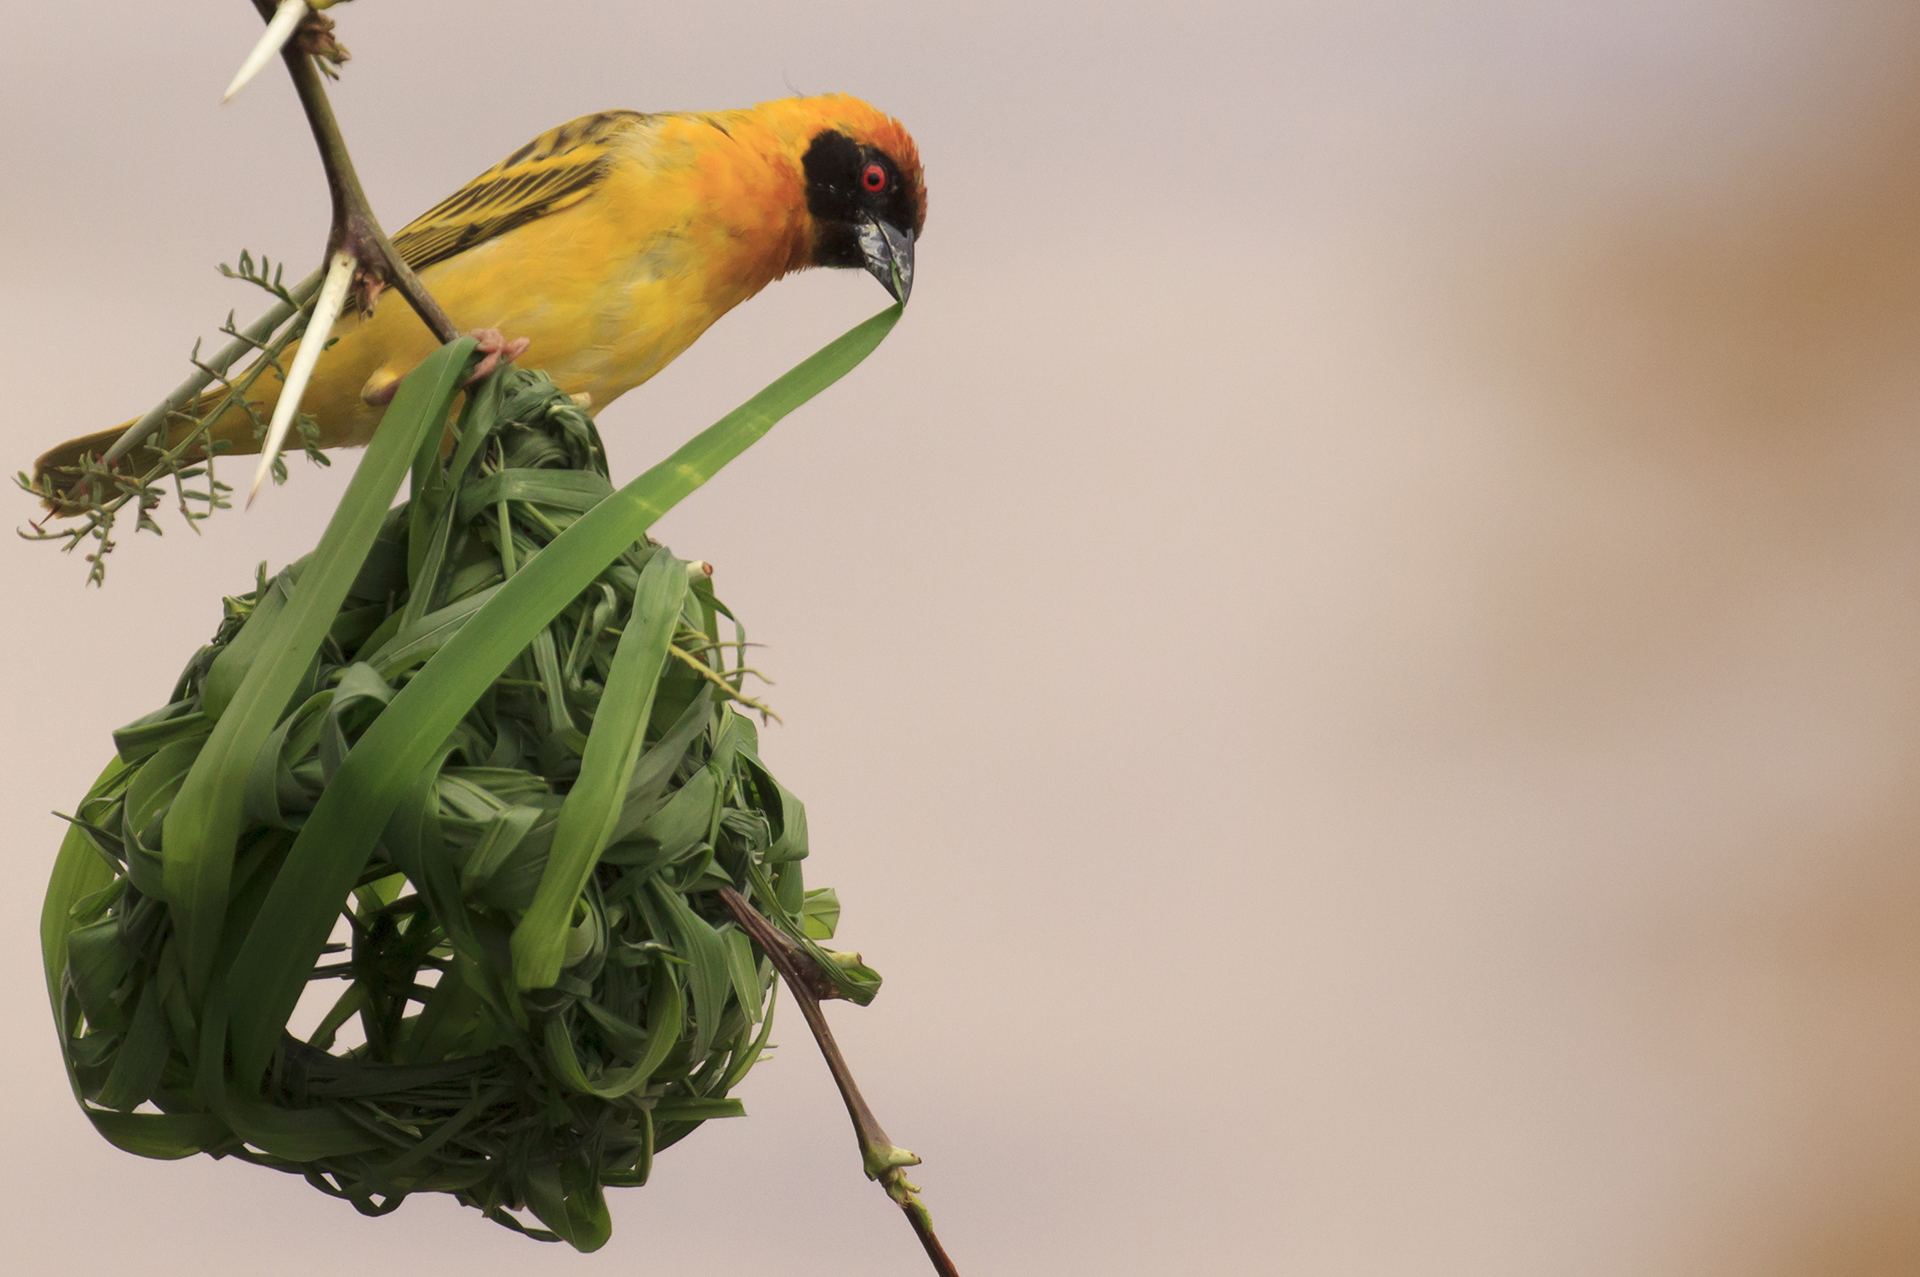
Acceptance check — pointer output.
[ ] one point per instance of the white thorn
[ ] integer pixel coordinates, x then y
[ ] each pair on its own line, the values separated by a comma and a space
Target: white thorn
279, 31
326, 309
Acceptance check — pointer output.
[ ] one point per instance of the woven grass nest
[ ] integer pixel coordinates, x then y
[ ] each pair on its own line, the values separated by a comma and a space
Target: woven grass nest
518, 767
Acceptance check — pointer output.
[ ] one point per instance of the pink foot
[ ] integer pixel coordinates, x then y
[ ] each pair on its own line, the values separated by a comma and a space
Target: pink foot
494, 347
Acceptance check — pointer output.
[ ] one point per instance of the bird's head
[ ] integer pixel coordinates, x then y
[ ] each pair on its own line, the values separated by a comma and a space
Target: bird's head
866, 197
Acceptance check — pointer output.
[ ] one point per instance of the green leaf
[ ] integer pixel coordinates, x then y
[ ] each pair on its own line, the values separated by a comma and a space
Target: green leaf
204, 822
663, 1029
149, 793
142, 1055
165, 1136
693, 1108
271, 968
415, 641
708, 978
677, 824
299, 1135
78, 872
502, 835
743, 971
236, 659
97, 964
820, 914
593, 808
577, 490
569, 1200
142, 737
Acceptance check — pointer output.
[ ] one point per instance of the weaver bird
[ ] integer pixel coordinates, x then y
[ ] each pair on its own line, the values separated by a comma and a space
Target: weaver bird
607, 246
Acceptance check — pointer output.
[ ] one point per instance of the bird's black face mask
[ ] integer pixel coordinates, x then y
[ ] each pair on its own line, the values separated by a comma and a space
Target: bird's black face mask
863, 210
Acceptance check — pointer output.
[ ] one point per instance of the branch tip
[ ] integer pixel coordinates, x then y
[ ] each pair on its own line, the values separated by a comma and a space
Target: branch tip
881, 1159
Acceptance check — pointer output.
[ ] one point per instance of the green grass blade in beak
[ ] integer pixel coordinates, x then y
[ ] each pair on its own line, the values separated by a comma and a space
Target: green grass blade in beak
888, 253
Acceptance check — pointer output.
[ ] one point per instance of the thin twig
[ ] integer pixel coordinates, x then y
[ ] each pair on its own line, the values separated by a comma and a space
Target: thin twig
883, 1160
95, 479
189, 390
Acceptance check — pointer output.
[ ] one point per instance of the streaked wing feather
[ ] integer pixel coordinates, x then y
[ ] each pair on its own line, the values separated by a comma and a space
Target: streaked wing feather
556, 170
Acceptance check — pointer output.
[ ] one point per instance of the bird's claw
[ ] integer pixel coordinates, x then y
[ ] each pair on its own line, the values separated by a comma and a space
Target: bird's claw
494, 347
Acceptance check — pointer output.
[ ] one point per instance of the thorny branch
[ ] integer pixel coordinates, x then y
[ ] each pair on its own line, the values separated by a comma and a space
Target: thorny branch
355, 229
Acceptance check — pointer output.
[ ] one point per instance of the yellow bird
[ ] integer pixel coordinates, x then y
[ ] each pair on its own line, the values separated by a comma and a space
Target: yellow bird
608, 245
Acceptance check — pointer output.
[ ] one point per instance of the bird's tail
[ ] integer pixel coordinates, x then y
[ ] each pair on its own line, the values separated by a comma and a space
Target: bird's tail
58, 468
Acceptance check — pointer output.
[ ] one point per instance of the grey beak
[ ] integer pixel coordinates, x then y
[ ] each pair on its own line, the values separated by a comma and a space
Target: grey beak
889, 257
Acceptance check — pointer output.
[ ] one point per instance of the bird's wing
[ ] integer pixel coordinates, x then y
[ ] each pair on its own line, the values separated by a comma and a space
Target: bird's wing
556, 170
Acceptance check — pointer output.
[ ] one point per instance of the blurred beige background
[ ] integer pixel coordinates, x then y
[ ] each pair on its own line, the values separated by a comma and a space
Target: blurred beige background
1353, 660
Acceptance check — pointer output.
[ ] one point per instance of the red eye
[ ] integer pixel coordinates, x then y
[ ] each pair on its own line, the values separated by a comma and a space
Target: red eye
875, 178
